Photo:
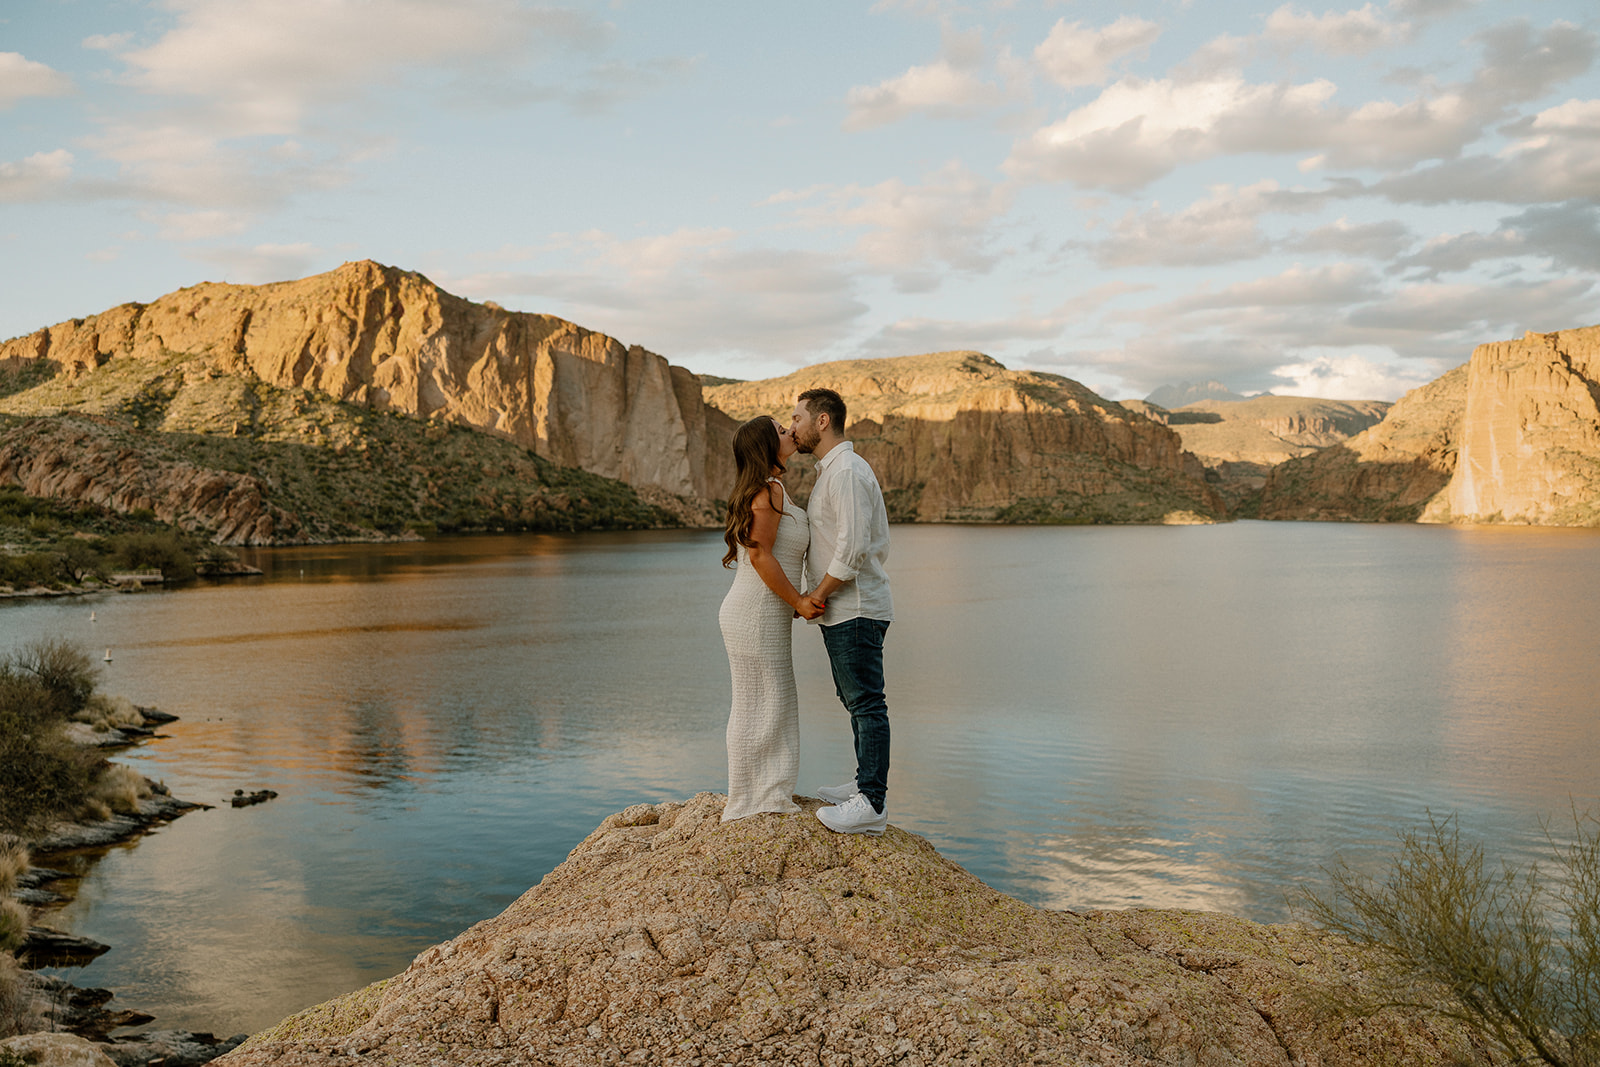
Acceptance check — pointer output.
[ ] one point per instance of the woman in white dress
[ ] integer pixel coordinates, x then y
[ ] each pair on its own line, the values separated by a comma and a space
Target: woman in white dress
767, 534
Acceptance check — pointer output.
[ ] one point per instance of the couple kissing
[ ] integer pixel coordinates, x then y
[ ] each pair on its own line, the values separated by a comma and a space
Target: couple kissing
834, 549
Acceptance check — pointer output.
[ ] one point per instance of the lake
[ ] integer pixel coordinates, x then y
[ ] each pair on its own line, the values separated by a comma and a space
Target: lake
1085, 717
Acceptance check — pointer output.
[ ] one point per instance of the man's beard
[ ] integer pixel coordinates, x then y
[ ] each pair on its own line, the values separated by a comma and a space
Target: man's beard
805, 445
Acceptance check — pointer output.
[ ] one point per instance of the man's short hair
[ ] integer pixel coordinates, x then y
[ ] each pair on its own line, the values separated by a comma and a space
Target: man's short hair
825, 402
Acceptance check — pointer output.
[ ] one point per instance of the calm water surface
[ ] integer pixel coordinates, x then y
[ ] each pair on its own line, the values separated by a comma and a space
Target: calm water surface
1085, 717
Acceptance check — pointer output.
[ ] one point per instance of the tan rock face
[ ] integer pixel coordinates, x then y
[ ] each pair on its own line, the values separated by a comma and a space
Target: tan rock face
79, 460
670, 938
955, 436
1388, 473
1270, 429
56, 1050
1530, 439
391, 339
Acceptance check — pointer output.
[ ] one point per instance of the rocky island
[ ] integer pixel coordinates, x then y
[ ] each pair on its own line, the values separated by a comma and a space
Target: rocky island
670, 938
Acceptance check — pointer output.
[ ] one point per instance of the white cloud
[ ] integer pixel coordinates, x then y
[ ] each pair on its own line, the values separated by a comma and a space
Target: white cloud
949, 87
946, 219
21, 78
1075, 55
1136, 130
1338, 284
1220, 229
260, 67
107, 42
690, 293
1505, 309
1350, 377
41, 176
264, 263
1337, 32
201, 225
1553, 157
1373, 240
914, 336
1520, 65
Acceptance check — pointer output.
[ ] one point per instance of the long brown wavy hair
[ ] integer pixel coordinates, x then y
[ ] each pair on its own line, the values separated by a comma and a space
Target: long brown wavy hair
755, 452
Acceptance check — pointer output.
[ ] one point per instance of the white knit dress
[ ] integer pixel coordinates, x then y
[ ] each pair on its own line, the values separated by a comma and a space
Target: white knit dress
764, 726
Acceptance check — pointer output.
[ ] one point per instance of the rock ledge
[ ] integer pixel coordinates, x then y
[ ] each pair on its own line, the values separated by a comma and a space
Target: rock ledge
669, 938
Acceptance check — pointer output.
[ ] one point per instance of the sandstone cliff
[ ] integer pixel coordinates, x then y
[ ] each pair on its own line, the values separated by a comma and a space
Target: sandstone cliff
1529, 444
389, 339
1388, 473
1240, 440
955, 436
244, 463
669, 938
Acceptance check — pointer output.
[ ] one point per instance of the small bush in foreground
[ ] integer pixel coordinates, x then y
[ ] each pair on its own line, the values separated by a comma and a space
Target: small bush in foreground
1509, 952
63, 672
43, 775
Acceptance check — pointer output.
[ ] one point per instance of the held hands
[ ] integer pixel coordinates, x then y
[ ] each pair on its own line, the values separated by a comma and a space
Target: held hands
809, 607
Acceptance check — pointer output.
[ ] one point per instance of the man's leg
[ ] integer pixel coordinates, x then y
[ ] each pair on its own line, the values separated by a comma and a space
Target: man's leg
855, 652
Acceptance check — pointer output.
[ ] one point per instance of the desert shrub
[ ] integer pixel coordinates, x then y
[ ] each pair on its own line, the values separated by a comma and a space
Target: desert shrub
16, 1007
13, 924
26, 569
14, 860
1511, 952
109, 713
43, 776
118, 788
63, 672
165, 551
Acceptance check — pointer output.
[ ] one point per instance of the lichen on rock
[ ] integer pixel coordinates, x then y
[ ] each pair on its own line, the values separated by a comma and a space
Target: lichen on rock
668, 937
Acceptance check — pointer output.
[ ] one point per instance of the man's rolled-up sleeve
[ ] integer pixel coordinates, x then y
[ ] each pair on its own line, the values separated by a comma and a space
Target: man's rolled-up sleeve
853, 506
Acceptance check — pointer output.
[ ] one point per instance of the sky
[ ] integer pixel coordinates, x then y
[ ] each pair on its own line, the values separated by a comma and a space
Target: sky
1330, 201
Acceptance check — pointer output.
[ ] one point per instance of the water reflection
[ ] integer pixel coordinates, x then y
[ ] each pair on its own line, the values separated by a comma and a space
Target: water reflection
1094, 717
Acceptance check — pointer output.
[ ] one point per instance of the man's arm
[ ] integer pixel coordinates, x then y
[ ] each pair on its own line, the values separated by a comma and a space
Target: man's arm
853, 513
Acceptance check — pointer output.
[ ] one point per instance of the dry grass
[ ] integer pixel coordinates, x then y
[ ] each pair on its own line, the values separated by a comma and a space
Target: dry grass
118, 789
109, 713
13, 924
14, 859
16, 1001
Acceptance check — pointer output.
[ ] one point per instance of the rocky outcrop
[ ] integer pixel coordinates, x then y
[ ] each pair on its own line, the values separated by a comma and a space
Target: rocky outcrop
1529, 445
391, 340
82, 460
670, 938
1387, 473
955, 436
1270, 429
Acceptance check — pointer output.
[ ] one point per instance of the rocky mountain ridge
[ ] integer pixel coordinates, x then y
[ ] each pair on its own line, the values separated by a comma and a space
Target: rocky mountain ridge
387, 339
1512, 436
957, 437
670, 938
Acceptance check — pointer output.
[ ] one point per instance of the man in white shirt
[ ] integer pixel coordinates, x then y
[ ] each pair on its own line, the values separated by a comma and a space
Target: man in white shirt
849, 545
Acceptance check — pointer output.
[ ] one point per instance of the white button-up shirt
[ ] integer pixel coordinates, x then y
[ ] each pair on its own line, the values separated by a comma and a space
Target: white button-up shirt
849, 537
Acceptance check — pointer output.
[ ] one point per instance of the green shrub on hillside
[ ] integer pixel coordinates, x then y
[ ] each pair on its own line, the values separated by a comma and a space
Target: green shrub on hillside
1513, 953
43, 776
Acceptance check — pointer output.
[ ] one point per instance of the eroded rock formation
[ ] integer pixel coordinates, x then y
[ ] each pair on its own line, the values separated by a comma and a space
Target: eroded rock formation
669, 938
85, 460
955, 436
1529, 447
1388, 473
390, 339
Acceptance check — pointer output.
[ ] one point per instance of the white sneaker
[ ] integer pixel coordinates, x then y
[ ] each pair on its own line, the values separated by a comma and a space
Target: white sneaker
854, 816
838, 794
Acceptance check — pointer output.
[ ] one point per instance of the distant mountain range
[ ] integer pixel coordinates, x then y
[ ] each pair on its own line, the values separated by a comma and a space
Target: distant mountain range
368, 403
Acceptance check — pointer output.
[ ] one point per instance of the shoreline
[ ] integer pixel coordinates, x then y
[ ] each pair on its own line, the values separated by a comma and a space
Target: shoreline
59, 861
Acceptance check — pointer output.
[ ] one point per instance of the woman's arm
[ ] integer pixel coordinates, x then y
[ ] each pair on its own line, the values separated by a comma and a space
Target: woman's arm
764, 532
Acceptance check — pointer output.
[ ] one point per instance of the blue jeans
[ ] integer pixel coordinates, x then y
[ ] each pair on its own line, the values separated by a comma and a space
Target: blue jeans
855, 651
